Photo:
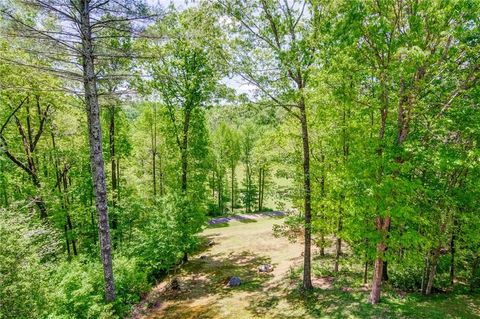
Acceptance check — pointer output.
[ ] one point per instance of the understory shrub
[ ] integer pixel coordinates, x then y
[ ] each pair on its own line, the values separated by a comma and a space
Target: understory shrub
79, 291
23, 278
406, 277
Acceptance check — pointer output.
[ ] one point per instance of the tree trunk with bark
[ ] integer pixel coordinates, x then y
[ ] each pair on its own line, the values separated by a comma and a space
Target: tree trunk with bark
385, 270
96, 153
322, 207
184, 150
232, 176
338, 245
184, 161
67, 207
161, 174
154, 173
432, 271
220, 194
382, 224
307, 276
452, 251
425, 273
261, 181
153, 150
365, 273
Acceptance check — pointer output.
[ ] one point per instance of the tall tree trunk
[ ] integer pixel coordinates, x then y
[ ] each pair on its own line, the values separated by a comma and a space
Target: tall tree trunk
307, 277
345, 147
338, 252
213, 184
162, 175
233, 187
377, 276
452, 254
154, 150
59, 178
74, 242
220, 194
365, 272
365, 266
154, 173
67, 241
452, 261
263, 189
247, 197
322, 213
96, 153
432, 271
251, 205
184, 151
433, 263
338, 248
260, 189
322, 244
385, 271
425, 273
382, 227
382, 223
184, 160
385, 263
67, 207
118, 179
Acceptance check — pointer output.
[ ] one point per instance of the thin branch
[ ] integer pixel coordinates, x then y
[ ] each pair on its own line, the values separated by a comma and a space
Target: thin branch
40, 129
13, 158
12, 114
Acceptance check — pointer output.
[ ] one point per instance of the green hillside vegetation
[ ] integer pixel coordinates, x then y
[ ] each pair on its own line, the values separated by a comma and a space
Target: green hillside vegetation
133, 133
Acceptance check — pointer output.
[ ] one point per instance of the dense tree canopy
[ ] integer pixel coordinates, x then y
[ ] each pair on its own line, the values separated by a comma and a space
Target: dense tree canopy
125, 127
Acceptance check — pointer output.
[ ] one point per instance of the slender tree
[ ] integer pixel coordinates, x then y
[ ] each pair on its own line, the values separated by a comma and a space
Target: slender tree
279, 69
78, 22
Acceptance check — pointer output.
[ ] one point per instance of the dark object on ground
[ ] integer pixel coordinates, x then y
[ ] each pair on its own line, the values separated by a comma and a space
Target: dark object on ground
174, 284
234, 282
211, 243
203, 257
265, 268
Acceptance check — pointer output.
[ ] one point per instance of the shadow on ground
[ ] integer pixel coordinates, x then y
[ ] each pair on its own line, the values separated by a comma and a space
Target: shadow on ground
211, 275
240, 249
338, 304
205, 277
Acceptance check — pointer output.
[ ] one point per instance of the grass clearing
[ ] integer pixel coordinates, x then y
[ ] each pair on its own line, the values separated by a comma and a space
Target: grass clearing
238, 251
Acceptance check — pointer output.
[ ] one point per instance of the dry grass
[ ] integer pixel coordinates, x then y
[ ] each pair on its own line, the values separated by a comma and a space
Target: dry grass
238, 251
240, 248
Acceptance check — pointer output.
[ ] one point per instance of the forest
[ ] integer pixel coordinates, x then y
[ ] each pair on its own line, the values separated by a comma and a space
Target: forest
335, 142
